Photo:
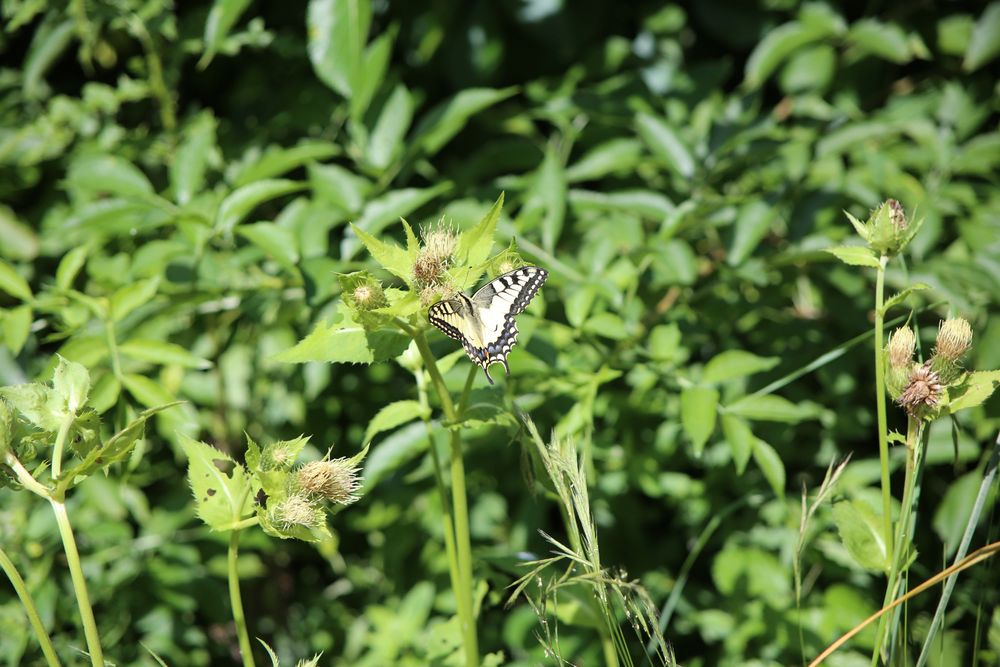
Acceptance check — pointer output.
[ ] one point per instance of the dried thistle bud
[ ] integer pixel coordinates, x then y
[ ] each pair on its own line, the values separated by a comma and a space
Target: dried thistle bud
896, 214
953, 340
336, 480
901, 344
297, 510
923, 390
427, 270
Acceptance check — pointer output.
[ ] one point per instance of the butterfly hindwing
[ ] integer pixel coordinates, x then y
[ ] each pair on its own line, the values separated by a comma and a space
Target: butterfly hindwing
485, 323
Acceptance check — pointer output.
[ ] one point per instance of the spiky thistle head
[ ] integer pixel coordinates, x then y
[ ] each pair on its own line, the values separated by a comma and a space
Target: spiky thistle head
953, 340
923, 390
335, 480
436, 254
900, 347
296, 510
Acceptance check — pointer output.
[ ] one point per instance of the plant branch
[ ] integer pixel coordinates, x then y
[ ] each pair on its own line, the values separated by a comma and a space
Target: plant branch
883, 435
79, 583
236, 600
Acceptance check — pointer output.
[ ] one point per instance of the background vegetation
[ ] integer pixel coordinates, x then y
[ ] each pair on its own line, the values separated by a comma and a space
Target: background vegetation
177, 181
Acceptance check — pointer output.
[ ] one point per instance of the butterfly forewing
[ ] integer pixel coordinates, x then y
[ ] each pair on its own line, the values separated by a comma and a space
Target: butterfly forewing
485, 323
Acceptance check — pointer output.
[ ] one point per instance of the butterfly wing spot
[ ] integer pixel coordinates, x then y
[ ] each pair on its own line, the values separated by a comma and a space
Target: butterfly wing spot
488, 317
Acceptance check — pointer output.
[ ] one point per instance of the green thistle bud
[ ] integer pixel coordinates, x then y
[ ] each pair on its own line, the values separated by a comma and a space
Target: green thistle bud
297, 510
440, 241
899, 360
887, 230
335, 480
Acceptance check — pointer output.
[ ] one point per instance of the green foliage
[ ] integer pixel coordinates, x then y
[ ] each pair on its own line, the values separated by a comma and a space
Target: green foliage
193, 196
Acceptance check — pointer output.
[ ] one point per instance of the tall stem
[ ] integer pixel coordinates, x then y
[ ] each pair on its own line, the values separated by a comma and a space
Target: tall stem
236, 600
57, 451
459, 502
7, 565
883, 435
79, 583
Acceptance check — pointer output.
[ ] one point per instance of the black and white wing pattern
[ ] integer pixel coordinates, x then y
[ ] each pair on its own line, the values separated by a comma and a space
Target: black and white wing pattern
484, 323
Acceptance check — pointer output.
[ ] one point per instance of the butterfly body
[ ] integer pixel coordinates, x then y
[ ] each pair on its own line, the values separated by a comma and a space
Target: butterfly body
484, 323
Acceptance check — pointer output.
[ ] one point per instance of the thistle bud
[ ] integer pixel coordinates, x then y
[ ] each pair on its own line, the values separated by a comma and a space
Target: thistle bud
335, 480
897, 216
887, 229
440, 242
953, 339
297, 510
901, 344
922, 391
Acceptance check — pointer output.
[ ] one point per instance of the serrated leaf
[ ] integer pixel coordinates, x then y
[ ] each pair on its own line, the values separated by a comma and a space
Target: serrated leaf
861, 532
974, 390
71, 383
394, 415
37, 403
241, 201
897, 299
387, 209
131, 296
390, 256
162, 352
345, 341
474, 245
855, 256
860, 227
221, 498
733, 364
12, 283
699, 407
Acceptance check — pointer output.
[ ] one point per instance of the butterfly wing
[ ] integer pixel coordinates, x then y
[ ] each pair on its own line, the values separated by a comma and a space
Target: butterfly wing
456, 319
496, 303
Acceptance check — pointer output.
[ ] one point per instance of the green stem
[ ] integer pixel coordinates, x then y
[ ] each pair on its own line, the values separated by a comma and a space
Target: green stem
883, 434
7, 565
79, 583
459, 502
236, 600
57, 451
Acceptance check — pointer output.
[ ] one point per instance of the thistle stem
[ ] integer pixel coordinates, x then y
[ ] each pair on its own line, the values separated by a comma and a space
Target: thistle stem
7, 565
883, 435
459, 501
57, 451
236, 600
79, 583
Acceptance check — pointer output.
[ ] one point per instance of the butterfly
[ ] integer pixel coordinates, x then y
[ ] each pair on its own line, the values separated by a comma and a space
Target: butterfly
484, 323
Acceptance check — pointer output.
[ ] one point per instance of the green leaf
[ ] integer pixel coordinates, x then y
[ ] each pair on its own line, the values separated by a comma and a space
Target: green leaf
985, 43
46, 47
374, 63
390, 256
70, 265
37, 403
770, 464
241, 201
20, 242
386, 141
475, 245
394, 415
162, 353
221, 19
12, 283
448, 118
16, 327
338, 30
740, 438
394, 451
198, 148
751, 226
698, 412
277, 161
221, 498
390, 208
345, 342
897, 299
955, 509
339, 186
146, 391
71, 383
861, 532
612, 157
663, 142
776, 46
131, 296
855, 255
885, 40
94, 175
549, 193
768, 407
860, 227
974, 390
277, 242
733, 364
